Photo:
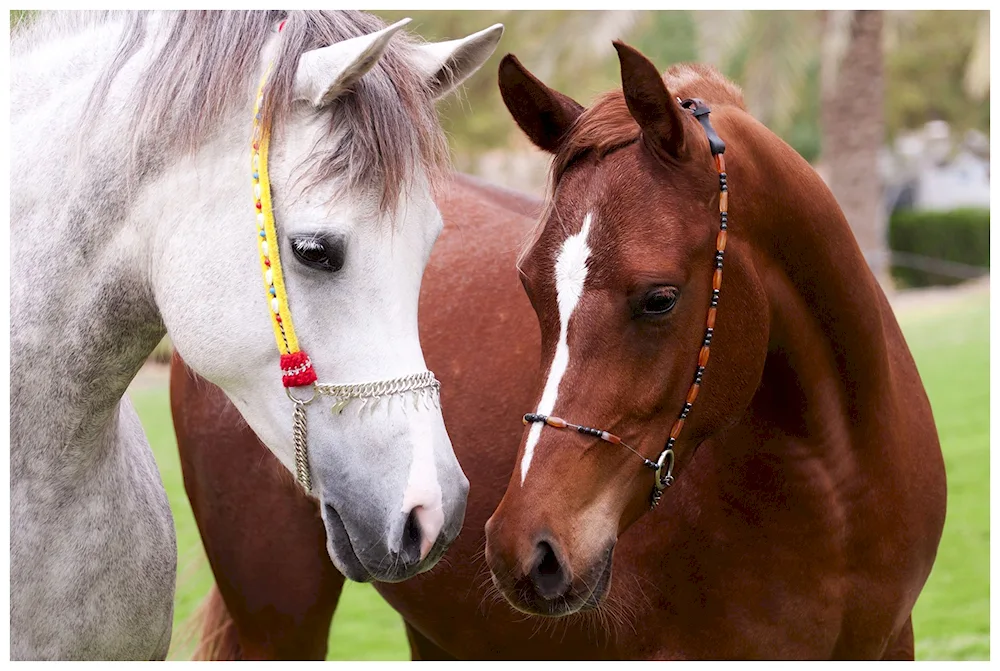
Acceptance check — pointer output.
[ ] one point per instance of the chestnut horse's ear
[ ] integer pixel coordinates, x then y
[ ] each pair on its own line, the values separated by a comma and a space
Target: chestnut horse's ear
542, 113
652, 106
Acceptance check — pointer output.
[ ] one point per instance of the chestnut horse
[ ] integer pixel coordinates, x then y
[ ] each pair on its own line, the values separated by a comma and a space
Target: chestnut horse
810, 494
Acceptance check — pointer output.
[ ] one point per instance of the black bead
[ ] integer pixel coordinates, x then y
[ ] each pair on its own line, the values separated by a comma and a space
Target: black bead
724, 226
724, 187
670, 443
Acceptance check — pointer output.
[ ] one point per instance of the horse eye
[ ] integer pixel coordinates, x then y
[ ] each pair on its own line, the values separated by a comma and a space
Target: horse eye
323, 252
658, 301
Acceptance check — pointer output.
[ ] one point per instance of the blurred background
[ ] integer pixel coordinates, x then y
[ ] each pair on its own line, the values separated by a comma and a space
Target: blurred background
891, 108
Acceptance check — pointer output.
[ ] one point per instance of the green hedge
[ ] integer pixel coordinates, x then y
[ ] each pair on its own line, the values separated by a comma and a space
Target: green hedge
959, 236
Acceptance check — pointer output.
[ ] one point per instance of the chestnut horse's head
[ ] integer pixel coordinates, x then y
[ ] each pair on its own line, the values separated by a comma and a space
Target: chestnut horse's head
621, 277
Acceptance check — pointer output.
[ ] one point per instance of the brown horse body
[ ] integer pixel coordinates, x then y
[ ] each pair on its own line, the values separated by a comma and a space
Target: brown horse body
803, 525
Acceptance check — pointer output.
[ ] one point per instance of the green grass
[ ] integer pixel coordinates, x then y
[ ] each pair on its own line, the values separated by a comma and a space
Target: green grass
951, 344
950, 341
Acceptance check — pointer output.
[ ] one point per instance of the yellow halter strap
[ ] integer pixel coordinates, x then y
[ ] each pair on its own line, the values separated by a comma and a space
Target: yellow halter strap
296, 368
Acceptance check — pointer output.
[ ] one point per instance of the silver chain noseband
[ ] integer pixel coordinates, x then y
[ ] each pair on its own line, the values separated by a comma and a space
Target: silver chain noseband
419, 387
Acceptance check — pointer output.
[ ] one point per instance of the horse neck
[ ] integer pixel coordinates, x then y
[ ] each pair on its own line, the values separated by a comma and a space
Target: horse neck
827, 377
84, 316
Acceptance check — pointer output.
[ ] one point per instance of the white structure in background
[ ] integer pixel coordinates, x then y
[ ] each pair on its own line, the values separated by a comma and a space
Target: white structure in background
927, 170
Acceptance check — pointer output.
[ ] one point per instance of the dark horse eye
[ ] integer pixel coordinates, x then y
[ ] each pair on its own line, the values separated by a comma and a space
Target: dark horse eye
658, 301
321, 252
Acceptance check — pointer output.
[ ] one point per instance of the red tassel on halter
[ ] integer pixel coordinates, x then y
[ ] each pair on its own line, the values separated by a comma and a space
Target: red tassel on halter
297, 370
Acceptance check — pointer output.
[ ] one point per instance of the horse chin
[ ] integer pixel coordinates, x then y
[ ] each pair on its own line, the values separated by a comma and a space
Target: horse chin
340, 548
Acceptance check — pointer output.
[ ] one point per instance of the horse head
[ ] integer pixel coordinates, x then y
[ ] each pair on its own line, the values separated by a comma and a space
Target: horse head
327, 214
621, 275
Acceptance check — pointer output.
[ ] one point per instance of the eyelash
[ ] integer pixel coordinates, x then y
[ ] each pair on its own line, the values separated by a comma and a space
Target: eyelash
322, 253
307, 244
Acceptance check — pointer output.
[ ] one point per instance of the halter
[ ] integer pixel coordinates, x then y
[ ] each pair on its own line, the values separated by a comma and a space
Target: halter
664, 464
296, 367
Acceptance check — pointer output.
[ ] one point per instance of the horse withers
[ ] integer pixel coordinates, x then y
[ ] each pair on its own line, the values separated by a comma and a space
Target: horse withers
166, 165
808, 491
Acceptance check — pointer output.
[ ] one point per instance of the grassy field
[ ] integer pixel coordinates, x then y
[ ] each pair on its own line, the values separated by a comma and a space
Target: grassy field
950, 340
951, 343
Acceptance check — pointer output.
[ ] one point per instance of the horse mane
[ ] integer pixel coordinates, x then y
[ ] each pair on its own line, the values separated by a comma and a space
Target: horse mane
608, 125
204, 65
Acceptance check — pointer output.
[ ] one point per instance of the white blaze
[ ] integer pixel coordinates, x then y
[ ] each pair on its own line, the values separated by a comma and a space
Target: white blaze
571, 271
423, 491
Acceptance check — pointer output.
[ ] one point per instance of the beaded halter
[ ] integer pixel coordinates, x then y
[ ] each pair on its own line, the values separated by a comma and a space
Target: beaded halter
296, 367
664, 464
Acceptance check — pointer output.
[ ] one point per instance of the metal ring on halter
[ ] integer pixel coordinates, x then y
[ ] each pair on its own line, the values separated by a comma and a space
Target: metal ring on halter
664, 480
288, 390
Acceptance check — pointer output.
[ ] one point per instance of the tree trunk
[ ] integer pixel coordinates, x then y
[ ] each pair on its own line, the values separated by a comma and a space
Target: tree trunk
853, 127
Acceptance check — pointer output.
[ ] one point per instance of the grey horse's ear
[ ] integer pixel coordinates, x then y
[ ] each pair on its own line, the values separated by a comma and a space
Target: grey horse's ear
445, 65
325, 73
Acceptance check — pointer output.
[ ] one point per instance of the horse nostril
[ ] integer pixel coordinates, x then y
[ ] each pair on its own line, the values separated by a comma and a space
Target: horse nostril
549, 565
409, 548
548, 575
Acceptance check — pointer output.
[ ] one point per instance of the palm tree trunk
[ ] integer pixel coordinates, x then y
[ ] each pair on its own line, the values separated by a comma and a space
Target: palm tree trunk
853, 128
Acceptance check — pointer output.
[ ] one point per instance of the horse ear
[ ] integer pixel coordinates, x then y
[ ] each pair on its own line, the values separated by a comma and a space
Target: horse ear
445, 65
652, 106
542, 113
325, 73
